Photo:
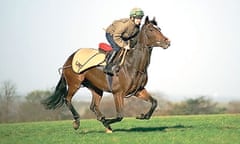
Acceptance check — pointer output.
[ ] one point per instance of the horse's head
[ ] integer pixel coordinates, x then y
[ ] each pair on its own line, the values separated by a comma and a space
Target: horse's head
152, 35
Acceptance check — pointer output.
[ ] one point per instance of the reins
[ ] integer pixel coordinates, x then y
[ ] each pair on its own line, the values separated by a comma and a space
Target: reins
123, 56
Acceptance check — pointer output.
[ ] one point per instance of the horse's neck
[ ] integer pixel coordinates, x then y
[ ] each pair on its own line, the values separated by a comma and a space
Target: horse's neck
139, 58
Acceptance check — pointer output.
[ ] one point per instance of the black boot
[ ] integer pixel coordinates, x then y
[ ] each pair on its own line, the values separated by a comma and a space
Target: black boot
108, 68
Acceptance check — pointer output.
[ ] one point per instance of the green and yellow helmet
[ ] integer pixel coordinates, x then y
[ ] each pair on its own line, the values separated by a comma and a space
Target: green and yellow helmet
136, 13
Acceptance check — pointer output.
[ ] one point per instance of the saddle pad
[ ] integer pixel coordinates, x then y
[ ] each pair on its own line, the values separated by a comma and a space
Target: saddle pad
85, 58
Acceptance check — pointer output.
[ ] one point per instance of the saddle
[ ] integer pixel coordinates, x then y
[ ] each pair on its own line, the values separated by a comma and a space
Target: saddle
85, 58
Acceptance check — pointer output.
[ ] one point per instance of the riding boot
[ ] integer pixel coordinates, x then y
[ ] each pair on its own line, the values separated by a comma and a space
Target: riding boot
108, 68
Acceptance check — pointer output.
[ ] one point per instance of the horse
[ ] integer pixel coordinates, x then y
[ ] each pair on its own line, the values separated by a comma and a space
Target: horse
129, 81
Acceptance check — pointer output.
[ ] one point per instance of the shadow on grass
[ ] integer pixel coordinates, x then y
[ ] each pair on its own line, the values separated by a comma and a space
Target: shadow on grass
152, 129
142, 129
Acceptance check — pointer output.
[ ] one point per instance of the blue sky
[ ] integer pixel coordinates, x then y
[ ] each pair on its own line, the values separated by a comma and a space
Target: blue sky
37, 36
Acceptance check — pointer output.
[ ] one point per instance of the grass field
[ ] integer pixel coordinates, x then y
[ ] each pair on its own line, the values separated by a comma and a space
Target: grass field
201, 129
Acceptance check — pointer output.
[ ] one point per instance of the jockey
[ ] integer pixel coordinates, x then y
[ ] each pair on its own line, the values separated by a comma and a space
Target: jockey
120, 32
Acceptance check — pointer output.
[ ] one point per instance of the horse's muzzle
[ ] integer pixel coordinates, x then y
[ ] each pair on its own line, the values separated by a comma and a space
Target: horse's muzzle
163, 44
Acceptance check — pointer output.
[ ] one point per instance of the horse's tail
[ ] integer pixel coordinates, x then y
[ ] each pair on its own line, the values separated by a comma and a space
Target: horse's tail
56, 100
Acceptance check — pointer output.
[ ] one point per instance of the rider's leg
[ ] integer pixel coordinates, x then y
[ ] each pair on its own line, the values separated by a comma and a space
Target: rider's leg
110, 64
112, 54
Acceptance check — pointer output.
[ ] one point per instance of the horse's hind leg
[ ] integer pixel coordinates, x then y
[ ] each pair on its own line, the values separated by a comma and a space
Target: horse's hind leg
143, 94
71, 91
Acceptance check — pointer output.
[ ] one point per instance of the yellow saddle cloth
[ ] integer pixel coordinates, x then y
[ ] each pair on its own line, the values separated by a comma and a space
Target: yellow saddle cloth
86, 58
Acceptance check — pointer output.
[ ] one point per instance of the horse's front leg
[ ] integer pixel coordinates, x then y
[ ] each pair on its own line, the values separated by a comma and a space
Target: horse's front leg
119, 102
144, 95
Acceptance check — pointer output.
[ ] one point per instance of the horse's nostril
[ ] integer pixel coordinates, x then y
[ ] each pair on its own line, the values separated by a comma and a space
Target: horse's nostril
167, 40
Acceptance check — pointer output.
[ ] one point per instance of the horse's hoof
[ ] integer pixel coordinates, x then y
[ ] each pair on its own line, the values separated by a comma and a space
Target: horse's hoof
76, 124
108, 130
143, 117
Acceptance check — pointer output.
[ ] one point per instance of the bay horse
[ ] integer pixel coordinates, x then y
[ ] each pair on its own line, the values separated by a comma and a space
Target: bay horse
130, 80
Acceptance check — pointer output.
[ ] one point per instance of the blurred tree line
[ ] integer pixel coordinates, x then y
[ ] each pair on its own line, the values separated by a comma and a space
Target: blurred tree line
15, 108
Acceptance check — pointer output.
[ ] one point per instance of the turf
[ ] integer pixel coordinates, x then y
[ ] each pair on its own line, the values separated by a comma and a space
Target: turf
196, 129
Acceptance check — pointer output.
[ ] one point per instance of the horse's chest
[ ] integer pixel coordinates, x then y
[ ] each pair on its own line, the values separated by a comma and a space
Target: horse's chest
139, 80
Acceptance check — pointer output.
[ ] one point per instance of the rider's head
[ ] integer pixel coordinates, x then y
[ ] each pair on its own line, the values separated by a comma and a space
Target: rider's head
136, 15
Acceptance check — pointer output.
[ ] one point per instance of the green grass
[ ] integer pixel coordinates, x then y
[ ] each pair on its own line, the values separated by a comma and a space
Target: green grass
201, 129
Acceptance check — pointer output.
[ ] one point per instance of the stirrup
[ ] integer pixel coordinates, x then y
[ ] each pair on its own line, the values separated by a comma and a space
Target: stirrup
108, 70
110, 73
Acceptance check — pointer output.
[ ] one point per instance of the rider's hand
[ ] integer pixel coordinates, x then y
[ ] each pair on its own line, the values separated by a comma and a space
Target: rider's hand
127, 47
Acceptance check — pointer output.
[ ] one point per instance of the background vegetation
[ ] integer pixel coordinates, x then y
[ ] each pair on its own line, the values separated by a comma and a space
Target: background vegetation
15, 108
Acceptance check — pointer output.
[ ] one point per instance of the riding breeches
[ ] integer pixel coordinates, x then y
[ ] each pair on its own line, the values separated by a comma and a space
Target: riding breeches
109, 38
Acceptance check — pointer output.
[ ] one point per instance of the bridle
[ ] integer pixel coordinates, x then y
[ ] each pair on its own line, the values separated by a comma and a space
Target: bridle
158, 43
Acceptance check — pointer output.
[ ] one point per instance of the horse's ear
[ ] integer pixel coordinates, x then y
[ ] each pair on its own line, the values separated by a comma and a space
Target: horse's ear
154, 18
154, 21
146, 20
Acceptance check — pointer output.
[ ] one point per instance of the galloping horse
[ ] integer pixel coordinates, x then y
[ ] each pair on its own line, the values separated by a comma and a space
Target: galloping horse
130, 80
